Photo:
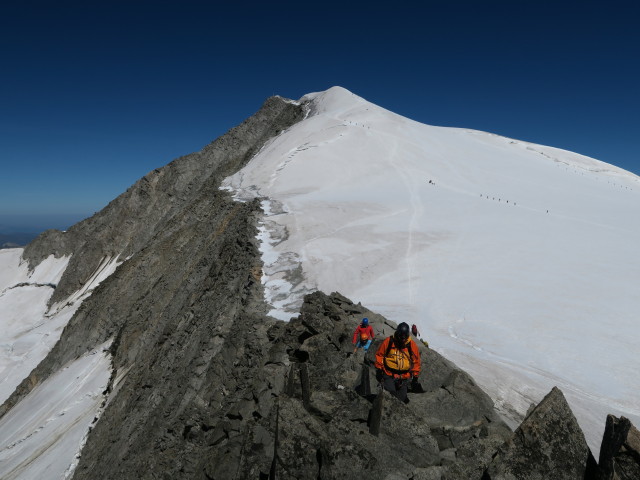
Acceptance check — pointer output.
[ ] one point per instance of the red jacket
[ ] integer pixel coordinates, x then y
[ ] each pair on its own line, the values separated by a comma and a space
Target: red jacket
360, 331
402, 362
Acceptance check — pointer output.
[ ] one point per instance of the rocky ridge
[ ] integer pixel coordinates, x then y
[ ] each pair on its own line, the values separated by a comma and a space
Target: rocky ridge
206, 386
178, 231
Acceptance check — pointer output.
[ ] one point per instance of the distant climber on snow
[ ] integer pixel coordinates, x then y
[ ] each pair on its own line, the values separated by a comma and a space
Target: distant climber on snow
398, 362
363, 336
416, 333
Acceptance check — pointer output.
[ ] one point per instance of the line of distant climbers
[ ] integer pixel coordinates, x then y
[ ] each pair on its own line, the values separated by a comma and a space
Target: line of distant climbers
485, 196
499, 199
582, 173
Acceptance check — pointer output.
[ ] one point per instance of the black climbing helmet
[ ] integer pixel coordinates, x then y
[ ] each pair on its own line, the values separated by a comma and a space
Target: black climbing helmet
402, 332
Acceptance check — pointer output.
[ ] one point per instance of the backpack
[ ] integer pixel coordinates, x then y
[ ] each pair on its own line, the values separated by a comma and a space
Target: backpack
390, 346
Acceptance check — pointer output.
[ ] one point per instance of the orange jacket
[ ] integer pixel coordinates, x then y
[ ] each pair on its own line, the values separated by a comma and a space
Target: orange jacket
402, 362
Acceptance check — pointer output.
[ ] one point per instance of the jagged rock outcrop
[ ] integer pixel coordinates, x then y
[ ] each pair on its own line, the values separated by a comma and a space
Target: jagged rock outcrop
548, 444
620, 450
322, 424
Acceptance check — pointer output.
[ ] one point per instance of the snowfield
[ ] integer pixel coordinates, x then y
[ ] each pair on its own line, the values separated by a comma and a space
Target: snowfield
516, 261
28, 332
41, 436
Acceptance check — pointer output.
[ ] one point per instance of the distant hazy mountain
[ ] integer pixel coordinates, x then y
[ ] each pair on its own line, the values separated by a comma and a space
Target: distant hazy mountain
34, 224
12, 240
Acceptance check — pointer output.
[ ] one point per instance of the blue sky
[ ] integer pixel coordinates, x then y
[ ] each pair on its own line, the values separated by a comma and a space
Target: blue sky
96, 94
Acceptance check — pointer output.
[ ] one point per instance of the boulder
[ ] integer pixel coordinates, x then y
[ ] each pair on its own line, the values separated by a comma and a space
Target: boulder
548, 444
620, 450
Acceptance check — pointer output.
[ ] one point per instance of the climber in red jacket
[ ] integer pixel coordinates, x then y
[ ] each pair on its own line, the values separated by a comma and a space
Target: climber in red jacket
363, 335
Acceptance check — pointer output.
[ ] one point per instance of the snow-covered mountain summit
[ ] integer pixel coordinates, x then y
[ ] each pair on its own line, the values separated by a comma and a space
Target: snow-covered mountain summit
137, 343
517, 261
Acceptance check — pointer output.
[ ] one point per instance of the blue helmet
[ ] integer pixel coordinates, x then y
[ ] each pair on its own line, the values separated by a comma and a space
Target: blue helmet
365, 321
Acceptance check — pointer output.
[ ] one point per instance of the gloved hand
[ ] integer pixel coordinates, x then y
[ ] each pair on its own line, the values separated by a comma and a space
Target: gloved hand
379, 375
415, 385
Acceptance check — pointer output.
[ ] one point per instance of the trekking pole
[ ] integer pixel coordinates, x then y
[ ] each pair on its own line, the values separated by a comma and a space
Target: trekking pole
274, 462
376, 411
365, 385
306, 389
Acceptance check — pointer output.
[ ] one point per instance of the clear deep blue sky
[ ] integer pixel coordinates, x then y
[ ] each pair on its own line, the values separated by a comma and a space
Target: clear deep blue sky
96, 94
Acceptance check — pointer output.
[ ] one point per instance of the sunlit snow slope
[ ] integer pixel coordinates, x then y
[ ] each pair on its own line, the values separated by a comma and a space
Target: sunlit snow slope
41, 435
28, 330
517, 261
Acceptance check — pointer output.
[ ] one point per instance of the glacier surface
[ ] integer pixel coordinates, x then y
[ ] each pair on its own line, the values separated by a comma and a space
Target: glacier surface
516, 261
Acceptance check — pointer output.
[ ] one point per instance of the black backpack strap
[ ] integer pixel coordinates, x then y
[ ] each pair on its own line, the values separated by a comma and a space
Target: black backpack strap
389, 346
411, 355
407, 346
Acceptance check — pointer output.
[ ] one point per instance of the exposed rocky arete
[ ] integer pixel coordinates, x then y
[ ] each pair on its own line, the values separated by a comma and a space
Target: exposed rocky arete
181, 234
205, 385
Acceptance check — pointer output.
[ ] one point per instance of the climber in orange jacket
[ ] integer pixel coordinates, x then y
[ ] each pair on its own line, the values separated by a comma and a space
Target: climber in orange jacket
398, 362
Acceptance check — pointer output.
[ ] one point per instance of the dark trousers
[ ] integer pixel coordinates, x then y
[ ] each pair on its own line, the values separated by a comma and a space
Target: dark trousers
397, 386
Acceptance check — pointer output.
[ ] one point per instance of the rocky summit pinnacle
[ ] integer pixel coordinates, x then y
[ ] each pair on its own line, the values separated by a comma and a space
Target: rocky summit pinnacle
206, 385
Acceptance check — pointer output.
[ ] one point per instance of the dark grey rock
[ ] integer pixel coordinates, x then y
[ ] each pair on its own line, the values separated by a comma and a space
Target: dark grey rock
429, 473
620, 450
329, 437
548, 444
